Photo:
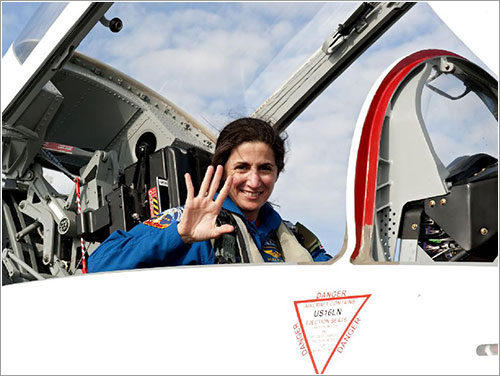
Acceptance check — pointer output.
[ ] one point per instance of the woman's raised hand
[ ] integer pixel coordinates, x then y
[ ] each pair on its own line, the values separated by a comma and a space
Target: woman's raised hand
198, 221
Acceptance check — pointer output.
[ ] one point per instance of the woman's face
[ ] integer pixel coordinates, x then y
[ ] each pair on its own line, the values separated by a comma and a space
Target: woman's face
254, 171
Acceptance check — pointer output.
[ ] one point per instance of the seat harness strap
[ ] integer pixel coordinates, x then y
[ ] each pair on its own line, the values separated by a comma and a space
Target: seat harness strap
238, 246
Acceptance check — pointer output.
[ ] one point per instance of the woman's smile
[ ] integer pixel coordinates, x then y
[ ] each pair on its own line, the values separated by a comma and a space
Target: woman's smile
250, 194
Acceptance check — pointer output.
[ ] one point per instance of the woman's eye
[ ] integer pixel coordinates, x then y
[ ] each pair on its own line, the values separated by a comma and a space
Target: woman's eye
240, 167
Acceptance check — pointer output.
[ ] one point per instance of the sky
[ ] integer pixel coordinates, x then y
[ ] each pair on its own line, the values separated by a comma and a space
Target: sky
220, 61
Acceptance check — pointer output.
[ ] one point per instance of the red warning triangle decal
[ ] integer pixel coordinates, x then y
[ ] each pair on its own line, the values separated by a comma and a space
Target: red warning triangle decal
327, 325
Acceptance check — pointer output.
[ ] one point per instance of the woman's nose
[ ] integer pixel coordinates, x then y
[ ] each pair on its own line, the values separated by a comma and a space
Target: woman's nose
254, 180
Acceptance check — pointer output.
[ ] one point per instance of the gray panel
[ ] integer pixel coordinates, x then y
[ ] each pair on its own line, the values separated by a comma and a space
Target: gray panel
408, 168
22, 140
89, 110
469, 213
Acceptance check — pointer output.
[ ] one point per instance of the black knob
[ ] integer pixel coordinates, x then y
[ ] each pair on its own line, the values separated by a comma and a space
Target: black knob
115, 25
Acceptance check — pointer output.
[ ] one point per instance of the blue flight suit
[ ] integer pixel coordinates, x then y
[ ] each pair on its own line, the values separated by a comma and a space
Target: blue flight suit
156, 242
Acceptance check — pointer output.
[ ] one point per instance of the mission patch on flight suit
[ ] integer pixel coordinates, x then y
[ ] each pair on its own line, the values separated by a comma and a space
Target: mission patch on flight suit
271, 252
165, 219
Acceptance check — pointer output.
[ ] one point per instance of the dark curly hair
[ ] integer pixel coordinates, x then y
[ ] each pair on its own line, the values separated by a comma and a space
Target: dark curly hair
248, 130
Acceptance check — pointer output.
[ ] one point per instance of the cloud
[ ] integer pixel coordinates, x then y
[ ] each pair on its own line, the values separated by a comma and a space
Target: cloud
293, 11
461, 127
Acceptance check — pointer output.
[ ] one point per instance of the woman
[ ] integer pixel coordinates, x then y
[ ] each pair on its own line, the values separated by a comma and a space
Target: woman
235, 225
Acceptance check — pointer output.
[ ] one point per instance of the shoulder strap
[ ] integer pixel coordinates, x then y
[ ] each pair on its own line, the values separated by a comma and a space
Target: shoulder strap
303, 235
246, 241
238, 246
229, 248
291, 248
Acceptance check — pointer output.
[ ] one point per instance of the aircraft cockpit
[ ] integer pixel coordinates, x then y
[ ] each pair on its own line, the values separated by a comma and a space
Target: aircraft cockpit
424, 160
431, 204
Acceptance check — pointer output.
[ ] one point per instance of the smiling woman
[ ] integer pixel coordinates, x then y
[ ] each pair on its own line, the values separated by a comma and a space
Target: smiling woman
254, 163
234, 225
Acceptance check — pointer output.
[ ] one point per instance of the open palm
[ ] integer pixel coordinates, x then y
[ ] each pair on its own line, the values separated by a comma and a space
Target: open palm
198, 221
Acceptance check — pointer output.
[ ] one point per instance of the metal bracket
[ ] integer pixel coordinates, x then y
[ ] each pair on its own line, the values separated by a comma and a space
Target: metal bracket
42, 214
48, 211
59, 268
357, 22
11, 268
8, 255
